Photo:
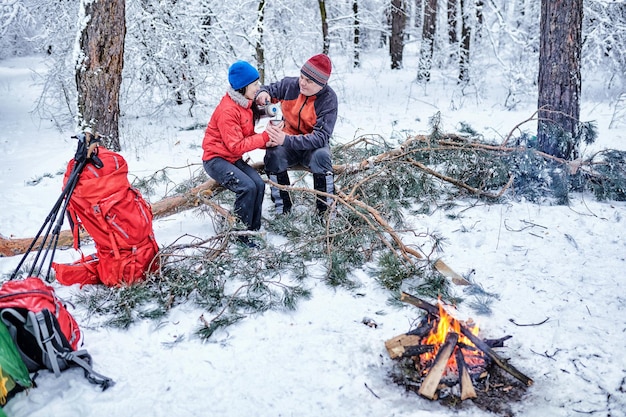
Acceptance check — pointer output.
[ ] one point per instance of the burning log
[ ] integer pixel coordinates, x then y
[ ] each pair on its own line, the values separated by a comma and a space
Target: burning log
502, 363
480, 344
417, 350
429, 386
465, 380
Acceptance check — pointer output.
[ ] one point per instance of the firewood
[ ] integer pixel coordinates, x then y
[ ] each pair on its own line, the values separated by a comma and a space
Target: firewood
417, 350
465, 380
430, 383
502, 363
425, 326
419, 303
397, 345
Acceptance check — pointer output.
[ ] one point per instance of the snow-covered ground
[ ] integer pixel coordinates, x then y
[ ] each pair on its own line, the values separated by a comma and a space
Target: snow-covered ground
563, 264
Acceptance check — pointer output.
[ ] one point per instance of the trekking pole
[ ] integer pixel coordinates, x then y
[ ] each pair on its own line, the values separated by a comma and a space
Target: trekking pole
49, 220
60, 216
85, 152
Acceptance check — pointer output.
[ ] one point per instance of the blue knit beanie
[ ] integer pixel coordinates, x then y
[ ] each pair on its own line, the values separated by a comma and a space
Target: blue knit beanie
241, 74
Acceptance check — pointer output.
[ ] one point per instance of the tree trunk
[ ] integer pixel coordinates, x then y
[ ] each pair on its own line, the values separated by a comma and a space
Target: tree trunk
398, 24
466, 35
480, 4
199, 195
325, 37
419, 15
452, 20
99, 68
559, 77
260, 50
205, 51
429, 29
356, 59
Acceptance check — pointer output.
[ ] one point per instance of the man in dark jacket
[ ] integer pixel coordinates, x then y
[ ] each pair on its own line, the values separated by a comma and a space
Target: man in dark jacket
309, 108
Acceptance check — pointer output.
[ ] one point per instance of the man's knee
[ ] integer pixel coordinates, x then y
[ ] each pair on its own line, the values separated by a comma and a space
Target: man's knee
321, 162
275, 160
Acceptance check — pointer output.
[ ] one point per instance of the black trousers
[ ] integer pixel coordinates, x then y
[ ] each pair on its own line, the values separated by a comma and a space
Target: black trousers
247, 185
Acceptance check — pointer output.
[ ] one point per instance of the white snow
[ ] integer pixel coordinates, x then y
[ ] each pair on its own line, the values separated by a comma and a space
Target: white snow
565, 264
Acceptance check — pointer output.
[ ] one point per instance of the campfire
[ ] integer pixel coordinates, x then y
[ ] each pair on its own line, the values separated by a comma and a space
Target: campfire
446, 352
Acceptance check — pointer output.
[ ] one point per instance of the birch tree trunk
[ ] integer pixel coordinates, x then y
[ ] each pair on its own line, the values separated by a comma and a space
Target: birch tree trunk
325, 37
260, 49
452, 21
429, 28
356, 59
466, 34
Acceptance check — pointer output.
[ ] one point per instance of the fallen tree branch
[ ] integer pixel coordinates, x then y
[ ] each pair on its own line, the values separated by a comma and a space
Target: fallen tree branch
162, 208
352, 203
459, 183
203, 192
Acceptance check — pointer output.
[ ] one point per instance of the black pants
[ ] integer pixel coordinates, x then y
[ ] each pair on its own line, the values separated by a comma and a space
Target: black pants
247, 185
318, 161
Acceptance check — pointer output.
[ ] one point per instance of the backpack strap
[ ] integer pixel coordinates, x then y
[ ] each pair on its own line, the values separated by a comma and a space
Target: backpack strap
49, 339
57, 346
83, 359
72, 219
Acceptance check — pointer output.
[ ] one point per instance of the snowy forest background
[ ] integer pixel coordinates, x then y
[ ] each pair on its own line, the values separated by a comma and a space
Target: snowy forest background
176, 51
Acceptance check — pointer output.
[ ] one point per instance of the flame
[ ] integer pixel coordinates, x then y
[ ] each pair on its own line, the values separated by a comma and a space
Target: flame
446, 323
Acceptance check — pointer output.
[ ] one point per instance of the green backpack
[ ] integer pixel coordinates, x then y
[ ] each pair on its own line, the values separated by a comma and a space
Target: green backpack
14, 376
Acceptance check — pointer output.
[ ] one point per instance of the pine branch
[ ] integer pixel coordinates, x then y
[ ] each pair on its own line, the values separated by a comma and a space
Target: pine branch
461, 184
377, 223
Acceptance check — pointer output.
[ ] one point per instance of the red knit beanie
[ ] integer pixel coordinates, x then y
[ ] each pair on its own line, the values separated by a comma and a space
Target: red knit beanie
318, 68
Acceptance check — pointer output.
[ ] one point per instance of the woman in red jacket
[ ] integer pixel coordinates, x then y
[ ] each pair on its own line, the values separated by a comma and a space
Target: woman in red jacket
229, 134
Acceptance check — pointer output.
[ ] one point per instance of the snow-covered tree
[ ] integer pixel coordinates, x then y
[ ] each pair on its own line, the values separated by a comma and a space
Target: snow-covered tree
176, 52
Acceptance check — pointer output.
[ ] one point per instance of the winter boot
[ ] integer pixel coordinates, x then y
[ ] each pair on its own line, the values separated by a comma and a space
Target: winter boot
326, 184
281, 198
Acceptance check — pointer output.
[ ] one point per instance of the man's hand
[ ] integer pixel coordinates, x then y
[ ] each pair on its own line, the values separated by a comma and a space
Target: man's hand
263, 98
276, 134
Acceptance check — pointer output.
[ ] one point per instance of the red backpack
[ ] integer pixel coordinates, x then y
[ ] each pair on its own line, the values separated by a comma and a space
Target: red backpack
45, 334
118, 219
34, 295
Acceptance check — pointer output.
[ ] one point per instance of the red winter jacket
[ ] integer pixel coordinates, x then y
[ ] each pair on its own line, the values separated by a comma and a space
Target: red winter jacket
230, 132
